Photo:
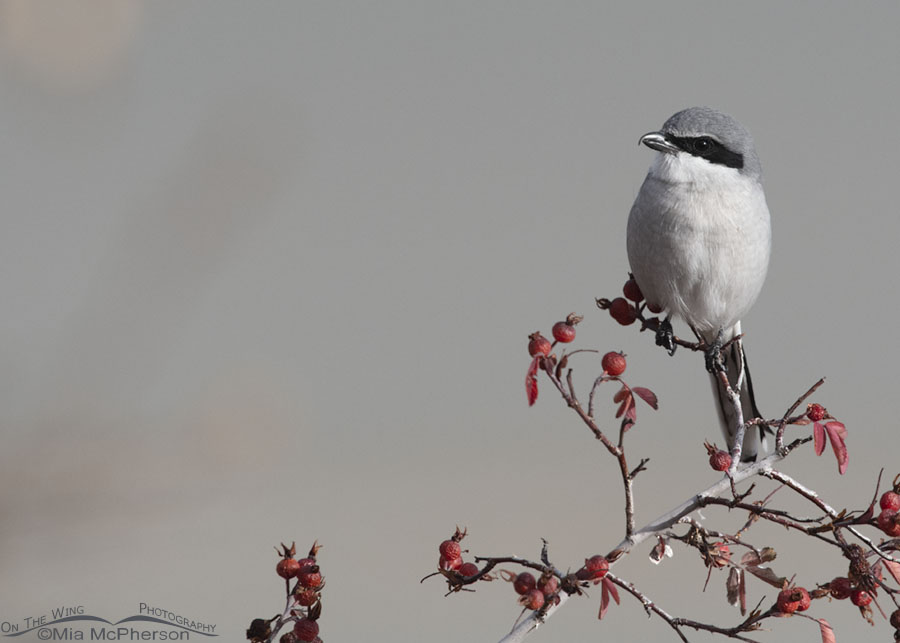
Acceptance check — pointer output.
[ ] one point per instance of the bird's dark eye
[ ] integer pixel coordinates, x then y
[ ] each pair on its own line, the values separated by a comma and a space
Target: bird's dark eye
703, 145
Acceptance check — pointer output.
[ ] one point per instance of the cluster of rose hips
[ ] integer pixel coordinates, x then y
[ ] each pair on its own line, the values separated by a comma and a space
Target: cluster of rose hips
563, 332
843, 588
889, 518
622, 309
305, 598
451, 556
535, 593
613, 363
539, 347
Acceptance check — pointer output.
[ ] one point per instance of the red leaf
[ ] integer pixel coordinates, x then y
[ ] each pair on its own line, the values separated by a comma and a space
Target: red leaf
627, 403
818, 438
608, 589
531, 389
836, 433
621, 394
827, 632
893, 568
608, 584
647, 395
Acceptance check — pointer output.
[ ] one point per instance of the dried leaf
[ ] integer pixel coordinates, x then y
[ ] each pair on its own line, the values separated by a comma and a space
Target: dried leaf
818, 438
647, 395
827, 632
767, 575
836, 433
751, 558
743, 592
767, 554
621, 394
531, 388
661, 551
733, 585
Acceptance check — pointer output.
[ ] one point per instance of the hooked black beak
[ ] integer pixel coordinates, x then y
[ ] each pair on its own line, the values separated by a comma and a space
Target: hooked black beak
658, 141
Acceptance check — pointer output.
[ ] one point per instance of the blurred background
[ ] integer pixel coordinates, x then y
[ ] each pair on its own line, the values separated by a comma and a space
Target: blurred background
268, 273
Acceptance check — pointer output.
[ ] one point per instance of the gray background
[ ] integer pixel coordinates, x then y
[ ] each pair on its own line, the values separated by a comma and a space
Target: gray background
267, 273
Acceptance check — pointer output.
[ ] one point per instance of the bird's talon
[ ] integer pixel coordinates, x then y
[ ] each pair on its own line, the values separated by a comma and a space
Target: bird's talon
665, 336
714, 361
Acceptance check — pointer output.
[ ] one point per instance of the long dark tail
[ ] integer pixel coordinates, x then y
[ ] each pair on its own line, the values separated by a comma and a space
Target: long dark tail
736, 368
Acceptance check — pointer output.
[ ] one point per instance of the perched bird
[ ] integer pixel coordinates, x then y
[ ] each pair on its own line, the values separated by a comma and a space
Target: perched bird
699, 239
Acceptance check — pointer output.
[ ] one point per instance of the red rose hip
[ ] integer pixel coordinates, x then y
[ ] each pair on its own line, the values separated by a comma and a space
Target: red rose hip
720, 460
563, 332
287, 567
524, 583
622, 311
860, 597
538, 345
468, 569
613, 363
450, 549
309, 576
306, 630
841, 588
533, 599
306, 597
632, 291
788, 600
549, 585
890, 501
815, 412
594, 568
889, 523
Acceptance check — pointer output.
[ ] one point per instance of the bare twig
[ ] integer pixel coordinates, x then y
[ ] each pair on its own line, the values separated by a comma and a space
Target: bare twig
649, 605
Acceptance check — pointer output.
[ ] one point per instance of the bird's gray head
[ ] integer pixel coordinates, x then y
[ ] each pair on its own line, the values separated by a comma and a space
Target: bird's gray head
709, 134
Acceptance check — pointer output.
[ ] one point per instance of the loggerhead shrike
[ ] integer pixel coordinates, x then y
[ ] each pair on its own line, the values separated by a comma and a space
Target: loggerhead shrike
699, 239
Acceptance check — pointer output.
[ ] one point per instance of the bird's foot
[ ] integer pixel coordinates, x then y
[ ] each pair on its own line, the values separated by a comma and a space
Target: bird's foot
665, 336
715, 363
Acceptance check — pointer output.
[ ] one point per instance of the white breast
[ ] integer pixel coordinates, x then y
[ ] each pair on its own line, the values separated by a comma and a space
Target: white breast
699, 239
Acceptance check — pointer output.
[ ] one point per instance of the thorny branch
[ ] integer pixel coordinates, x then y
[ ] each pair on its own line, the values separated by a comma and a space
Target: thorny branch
713, 495
618, 451
829, 528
